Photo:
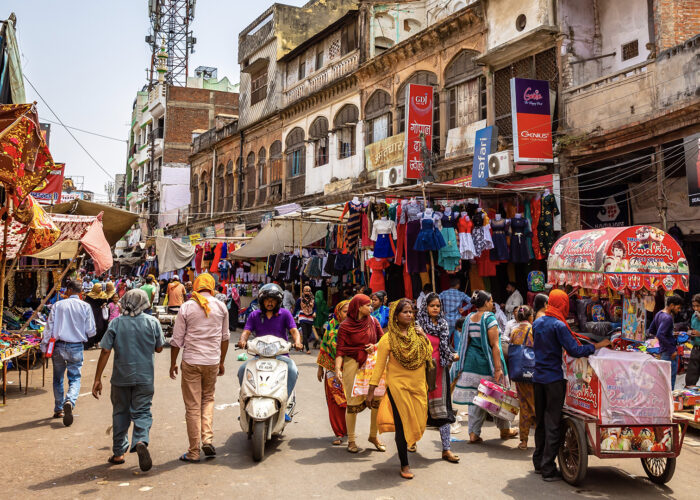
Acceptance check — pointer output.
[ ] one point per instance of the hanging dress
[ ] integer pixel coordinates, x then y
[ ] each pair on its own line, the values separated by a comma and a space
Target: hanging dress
354, 226
480, 234
383, 234
528, 239
415, 260
466, 242
536, 208
449, 257
519, 252
545, 227
429, 238
500, 244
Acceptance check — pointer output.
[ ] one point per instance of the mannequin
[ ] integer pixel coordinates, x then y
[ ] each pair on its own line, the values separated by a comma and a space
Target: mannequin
384, 234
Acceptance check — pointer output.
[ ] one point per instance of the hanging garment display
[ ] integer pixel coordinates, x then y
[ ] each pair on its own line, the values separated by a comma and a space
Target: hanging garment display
481, 233
411, 213
500, 244
449, 257
429, 238
384, 233
466, 242
528, 239
377, 266
519, 252
536, 209
354, 226
367, 242
545, 227
198, 254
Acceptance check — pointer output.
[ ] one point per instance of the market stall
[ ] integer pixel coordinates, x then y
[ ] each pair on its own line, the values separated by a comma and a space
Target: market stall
619, 402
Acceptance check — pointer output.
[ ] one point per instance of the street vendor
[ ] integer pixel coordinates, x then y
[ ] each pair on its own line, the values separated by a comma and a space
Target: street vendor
662, 328
552, 334
693, 371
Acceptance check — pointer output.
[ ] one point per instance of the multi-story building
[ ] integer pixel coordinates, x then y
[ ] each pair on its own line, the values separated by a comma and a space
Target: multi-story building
162, 126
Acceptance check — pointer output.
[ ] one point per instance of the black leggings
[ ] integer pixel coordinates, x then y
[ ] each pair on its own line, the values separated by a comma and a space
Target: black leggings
307, 332
399, 437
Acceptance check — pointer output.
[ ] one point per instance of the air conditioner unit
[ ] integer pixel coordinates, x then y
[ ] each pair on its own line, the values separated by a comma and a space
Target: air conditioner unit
390, 177
500, 164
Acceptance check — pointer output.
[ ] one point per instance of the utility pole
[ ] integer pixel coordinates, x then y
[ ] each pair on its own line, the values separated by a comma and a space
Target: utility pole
661, 203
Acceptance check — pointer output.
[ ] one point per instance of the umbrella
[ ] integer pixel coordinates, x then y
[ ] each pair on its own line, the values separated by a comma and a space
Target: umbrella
25, 160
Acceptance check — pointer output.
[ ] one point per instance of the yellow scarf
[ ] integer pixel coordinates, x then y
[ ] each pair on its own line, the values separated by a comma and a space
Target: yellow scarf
411, 350
203, 282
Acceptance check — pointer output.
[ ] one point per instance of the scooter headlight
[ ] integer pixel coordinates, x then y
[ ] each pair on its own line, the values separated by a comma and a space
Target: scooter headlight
250, 378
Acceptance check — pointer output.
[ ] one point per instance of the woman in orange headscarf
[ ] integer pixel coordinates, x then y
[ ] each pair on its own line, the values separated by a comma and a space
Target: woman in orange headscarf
552, 334
335, 397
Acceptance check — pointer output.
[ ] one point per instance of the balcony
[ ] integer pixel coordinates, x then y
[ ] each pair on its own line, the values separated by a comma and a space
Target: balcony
156, 100
318, 80
212, 136
296, 186
636, 94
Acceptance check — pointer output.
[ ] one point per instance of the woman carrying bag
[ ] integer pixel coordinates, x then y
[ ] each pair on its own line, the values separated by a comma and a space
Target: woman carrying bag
521, 335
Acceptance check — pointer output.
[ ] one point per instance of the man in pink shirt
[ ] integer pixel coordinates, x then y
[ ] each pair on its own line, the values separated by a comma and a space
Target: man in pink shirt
201, 329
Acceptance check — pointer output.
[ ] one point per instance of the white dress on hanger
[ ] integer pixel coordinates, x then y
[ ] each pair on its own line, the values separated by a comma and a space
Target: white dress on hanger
466, 242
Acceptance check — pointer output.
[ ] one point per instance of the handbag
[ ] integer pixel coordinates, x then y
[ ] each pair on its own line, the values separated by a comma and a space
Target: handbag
105, 312
431, 374
360, 386
521, 361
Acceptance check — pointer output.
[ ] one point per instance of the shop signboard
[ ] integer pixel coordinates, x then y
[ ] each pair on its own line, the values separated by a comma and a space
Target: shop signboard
239, 230
692, 168
220, 229
386, 153
612, 212
485, 141
460, 140
49, 191
194, 238
532, 121
419, 128
209, 232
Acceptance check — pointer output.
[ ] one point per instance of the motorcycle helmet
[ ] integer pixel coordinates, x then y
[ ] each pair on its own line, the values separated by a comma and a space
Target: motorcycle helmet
270, 291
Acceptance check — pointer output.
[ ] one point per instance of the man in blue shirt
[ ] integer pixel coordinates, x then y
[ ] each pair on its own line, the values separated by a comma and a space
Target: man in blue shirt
71, 323
662, 327
455, 301
552, 334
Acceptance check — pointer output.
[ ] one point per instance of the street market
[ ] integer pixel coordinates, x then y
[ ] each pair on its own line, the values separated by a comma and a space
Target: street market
423, 248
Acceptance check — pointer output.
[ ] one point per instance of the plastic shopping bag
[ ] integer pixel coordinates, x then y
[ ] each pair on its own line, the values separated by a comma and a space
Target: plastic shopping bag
363, 376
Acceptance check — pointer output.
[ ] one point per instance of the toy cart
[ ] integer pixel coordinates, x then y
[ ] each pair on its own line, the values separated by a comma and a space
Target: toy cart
627, 412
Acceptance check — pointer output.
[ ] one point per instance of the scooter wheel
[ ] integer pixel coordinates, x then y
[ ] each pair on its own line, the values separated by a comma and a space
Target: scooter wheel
259, 440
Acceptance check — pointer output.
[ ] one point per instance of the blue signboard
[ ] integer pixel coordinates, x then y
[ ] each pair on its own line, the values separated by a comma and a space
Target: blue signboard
485, 141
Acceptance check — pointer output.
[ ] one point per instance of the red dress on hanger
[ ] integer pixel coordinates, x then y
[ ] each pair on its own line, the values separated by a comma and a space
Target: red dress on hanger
376, 280
536, 208
400, 238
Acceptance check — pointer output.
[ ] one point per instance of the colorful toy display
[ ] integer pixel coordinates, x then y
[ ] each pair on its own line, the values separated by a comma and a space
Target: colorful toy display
636, 438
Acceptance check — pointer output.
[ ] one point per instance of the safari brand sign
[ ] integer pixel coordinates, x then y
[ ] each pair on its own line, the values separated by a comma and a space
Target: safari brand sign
484, 144
532, 121
419, 123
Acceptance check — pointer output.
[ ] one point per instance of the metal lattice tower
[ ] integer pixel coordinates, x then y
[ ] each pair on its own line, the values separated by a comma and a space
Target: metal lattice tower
170, 23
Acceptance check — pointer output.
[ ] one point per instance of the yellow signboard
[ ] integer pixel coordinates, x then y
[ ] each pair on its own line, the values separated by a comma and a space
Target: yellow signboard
386, 153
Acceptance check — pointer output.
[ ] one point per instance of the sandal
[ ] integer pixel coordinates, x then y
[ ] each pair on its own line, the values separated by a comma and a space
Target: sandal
377, 444
145, 462
509, 433
352, 447
112, 460
413, 448
58, 414
337, 442
474, 439
184, 458
522, 445
450, 457
209, 450
406, 475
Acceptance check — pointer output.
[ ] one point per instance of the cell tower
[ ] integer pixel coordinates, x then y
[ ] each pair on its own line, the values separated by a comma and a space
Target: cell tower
170, 22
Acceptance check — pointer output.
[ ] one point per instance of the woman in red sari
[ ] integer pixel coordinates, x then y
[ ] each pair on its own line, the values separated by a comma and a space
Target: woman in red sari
335, 397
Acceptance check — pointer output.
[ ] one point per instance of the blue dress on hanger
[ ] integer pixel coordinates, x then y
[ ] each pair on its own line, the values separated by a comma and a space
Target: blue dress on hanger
429, 238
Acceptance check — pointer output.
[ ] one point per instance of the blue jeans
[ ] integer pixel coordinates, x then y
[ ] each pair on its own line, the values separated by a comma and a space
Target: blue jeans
292, 373
66, 357
674, 367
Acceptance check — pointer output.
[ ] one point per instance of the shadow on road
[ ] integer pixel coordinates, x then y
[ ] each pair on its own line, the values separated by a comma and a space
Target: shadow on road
55, 423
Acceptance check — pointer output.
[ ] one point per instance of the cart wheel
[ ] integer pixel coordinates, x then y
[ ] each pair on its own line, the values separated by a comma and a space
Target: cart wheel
573, 453
659, 470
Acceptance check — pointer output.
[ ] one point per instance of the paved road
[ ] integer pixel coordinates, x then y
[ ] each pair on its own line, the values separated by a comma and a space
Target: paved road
42, 458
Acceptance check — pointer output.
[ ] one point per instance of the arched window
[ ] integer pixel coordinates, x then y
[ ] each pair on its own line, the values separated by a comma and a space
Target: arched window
318, 133
466, 90
204, 194
194, 198
276, 161
250, 179
345, 123
262, 173
378, 117
229, 186
382, 43
421, 78
220, 188
296, 152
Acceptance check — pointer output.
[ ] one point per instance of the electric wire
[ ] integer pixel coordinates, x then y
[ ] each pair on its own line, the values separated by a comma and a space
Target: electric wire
84, 131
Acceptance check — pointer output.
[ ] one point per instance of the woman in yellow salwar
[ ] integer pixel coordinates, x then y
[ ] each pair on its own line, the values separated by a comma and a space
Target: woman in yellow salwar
403, 351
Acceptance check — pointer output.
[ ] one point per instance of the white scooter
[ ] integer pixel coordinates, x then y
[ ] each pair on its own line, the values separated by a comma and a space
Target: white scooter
263, 398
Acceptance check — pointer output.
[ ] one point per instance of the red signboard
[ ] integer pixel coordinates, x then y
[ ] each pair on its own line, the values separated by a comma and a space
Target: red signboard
419, 128
49, 191
532, 121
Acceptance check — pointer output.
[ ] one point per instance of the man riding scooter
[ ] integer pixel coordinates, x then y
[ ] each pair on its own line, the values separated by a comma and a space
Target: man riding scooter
270, 319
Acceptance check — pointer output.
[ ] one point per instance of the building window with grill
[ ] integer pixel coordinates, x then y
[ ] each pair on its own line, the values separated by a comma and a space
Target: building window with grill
276, 161
301, 72
262, 168
378, 117
348, 39
220, 188
229, 185
194, 200
296, 152
420, 78
541, 66
319, 57
466, 90
345, 123
258, 86
318, 134
250, 179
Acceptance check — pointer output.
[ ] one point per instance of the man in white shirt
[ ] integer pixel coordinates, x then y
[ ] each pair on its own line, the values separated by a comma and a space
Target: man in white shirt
71, 323
514, 301
288, 299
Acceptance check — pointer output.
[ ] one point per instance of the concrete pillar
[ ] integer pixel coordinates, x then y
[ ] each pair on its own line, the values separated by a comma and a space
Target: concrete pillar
571, 212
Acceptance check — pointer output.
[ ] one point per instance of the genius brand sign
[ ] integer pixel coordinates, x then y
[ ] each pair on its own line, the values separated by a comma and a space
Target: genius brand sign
532, 121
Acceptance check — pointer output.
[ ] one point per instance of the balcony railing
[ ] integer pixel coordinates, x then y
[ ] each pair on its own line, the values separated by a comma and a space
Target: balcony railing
316, 81
212, 136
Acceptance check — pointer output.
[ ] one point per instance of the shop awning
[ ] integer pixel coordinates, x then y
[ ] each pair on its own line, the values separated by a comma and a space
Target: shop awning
620, 258
327, 213
116, 221
281, 235
73, 228
172, 255
32, 219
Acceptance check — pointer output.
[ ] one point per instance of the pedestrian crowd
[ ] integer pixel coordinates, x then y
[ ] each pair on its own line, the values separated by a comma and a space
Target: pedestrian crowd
411, 363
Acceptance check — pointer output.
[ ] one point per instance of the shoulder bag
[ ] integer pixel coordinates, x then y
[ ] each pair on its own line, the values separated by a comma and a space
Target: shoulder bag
521, 360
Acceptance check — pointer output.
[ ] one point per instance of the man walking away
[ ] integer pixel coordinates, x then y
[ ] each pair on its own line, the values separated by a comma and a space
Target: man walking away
135, 338
515, 300
176, 293
150, 290
201, 329
70, 323
662, 327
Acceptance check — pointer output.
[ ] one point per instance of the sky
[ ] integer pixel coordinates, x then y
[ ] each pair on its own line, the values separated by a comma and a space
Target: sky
88, 58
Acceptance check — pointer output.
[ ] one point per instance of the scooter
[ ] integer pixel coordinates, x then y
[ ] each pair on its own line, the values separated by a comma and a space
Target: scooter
263, 397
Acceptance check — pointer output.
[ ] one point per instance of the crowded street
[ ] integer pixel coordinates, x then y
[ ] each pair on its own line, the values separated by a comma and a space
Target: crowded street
404, 249
303, 464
